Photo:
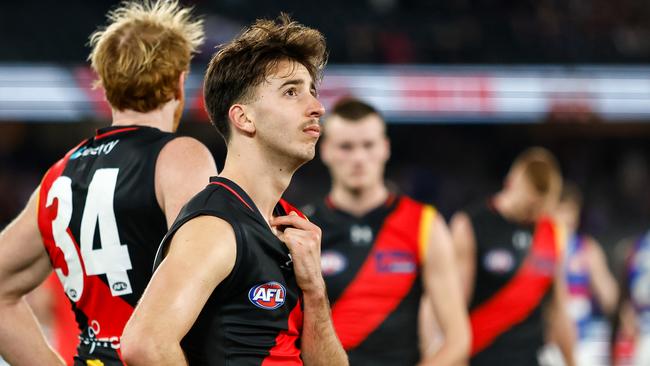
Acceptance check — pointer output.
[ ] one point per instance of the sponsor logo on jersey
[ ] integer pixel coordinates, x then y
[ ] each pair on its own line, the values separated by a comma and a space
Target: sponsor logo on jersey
395, 261
360, 235
499, 261
93, 341
332, 262
267, 296
104, 148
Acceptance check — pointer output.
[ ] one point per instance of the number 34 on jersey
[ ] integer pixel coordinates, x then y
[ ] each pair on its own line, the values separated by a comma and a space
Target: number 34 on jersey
112, 258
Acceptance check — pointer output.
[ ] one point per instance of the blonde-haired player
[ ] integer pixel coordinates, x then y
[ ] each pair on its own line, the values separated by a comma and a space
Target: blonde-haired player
100, 212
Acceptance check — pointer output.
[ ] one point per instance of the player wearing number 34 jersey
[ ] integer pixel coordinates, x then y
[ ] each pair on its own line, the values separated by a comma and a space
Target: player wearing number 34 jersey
100, 212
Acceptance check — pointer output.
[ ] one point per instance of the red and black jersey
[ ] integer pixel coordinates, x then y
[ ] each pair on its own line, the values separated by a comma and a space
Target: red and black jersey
101, 225
372, 268
515, 268
254, 316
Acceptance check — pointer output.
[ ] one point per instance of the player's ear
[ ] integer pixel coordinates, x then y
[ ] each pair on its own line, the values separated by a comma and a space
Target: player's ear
180, 89
239, 119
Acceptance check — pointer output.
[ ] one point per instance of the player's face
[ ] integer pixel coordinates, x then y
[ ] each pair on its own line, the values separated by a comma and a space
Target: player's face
356, 151
286, 113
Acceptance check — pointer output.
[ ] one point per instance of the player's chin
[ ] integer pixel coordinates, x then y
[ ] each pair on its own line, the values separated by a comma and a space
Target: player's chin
355, 184
308, 153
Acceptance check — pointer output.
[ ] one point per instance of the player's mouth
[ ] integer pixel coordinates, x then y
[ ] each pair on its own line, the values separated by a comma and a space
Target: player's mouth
312, 130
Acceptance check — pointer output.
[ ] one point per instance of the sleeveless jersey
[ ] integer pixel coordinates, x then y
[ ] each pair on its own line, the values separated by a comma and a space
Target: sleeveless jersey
515, 265
372, 268
101, 224
638, 275
583, 306
254, 316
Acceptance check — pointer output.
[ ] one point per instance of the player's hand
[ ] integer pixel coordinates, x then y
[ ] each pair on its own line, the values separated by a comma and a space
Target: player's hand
303, 240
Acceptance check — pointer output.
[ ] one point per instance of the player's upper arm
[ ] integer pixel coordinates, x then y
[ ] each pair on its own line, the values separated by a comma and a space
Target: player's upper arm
183, 169
462, 234
24, 262
201, 255
442, 285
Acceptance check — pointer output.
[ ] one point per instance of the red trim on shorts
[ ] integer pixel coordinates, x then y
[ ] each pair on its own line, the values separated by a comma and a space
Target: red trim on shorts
113, 132
515, 301
233, 192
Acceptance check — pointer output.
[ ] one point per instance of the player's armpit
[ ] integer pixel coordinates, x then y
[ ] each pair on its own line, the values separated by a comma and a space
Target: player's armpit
442, 286
201, 255
24, 264
183, 169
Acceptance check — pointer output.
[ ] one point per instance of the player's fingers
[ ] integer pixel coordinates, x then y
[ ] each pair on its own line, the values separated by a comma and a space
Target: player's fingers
295, 221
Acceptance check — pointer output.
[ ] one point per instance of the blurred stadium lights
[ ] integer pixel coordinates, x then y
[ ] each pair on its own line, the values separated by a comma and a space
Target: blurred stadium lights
406, 94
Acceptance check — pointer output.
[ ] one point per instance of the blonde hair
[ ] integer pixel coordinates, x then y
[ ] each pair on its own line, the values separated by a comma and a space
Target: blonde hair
141, 54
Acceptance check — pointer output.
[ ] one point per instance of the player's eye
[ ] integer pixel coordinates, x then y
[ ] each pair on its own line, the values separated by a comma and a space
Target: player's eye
291, 92
345, 146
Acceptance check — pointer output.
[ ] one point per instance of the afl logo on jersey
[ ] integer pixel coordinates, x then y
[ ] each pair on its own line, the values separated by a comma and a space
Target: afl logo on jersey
332, 262
267, 296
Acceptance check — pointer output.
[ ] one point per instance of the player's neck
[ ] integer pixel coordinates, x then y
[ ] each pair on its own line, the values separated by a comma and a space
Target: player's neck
161, 118
358, 202
262, 179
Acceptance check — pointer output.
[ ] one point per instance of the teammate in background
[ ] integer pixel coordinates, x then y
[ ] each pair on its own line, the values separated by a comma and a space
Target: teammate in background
593, 291
241, 282
100, 212
510, 261
632, 321
382, 251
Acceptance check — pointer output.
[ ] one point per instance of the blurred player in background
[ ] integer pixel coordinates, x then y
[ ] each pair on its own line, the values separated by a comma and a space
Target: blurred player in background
510, 260
382, 251
101, 211
631, 331
593, 291
241, 282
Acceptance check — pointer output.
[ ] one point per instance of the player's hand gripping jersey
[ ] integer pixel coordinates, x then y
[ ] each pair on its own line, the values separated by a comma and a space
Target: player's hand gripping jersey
253, 317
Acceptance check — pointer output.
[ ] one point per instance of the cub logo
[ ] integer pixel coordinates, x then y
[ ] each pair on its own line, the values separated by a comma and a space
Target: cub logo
267, 296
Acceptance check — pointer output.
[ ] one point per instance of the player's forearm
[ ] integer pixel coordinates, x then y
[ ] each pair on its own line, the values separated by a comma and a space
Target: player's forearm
454, 351
145, 349
21, 340
319, 343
